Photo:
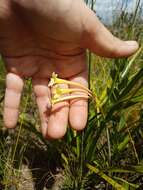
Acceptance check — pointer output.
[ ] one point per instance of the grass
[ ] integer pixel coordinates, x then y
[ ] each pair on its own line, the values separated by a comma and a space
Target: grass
107, 154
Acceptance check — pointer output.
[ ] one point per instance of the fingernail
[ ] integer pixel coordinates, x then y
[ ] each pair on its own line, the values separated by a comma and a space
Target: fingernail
132, 43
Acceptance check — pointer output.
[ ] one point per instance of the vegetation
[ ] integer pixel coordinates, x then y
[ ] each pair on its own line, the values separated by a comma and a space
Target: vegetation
108, 153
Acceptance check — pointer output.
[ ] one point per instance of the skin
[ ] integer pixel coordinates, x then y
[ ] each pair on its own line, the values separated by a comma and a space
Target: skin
38, 38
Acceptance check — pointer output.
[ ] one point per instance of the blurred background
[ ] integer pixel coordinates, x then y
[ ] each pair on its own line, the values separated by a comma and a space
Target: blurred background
109, 10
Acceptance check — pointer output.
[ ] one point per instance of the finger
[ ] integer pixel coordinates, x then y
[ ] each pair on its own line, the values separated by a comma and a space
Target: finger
79, 108
99, 40
42, 93
14, 87
58, 120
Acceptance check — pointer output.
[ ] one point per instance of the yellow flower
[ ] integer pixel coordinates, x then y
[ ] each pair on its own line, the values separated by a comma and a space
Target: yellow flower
62, 94
56, 100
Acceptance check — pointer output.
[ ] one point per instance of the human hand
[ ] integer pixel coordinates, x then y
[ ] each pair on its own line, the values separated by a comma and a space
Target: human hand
38, 38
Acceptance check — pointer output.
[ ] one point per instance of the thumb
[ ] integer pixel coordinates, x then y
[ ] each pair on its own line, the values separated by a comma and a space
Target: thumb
100, 41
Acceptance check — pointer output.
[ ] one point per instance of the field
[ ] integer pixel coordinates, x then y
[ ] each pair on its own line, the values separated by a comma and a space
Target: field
108, 154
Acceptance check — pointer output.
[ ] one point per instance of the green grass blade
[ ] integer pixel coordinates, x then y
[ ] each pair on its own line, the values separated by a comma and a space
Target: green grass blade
127, 169
132, 83
126, 71
106, 178
126, 183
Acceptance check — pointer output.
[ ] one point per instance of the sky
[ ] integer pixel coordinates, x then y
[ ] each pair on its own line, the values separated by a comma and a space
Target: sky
106, 8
